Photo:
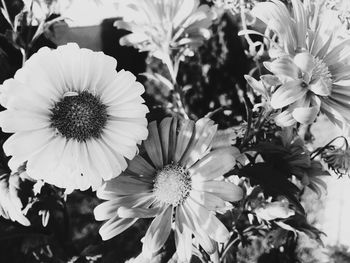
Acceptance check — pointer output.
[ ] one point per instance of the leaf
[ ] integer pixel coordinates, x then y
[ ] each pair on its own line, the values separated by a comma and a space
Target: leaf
273, 183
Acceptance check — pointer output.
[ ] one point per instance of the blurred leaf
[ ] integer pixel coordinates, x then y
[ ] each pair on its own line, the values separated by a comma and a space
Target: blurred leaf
273, 182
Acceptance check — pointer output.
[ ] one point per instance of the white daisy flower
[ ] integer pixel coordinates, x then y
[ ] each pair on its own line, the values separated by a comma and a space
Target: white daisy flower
177, 182
74, 117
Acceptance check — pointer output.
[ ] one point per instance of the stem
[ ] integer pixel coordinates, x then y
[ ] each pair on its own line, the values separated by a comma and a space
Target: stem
228, 248
320, 150
178, 96
24, 55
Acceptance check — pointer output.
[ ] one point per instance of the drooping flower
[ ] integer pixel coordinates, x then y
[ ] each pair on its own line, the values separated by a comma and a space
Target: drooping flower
310, 70
74, 117
177, 182
337, 159
160, 26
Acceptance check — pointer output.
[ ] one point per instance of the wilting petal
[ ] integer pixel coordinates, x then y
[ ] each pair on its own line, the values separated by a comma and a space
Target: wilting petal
287, 94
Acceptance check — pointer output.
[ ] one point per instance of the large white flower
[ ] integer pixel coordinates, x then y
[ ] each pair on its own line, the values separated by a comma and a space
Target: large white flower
74, 116
179, 182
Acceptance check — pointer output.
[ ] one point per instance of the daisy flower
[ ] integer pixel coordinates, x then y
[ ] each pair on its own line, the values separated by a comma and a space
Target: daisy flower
310, 70
74, 117
177, 182
159, 26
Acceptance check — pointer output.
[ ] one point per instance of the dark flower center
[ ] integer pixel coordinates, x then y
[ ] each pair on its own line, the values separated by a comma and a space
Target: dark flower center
79, 116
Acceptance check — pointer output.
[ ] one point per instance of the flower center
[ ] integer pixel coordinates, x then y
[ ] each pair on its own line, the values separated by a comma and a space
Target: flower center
79, 116
172, 185
321, 71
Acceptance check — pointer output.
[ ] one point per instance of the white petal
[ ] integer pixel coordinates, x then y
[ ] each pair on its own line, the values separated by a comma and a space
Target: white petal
158, 232
115, 226
14, 121
287, 94
215, 229
153, 145
214, 164
225, 190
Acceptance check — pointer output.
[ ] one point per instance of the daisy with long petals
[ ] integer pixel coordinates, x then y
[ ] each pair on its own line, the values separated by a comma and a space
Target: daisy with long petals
74, 117
177, 182
160, 26
310, 70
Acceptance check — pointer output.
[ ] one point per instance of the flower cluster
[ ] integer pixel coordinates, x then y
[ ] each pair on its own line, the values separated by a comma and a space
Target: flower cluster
310, 68
79, 126
164, 26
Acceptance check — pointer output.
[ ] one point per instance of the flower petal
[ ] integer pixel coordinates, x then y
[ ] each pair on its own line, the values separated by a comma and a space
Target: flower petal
153, 145
209, 201
183, 139
137, 212
186, 215
214, 164
225, 190
306, 115
115, 226
205, 131
320, 87
283, 66
211, 225
157, 232
287, 94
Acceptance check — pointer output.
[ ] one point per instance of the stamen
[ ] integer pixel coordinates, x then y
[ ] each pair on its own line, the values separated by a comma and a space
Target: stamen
172, 185
321, 71
79, 116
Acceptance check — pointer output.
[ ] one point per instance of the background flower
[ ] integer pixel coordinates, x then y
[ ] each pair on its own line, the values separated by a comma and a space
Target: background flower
161, 26
311, 71
74, 117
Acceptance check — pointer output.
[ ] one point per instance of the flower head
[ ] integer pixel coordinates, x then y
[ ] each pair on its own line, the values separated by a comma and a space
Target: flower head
311, 72
74, 117
337, 159
160, 26
177, 183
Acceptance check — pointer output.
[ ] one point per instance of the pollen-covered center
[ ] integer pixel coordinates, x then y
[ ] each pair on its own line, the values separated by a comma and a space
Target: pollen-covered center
79, 116
172, 185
